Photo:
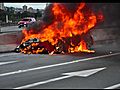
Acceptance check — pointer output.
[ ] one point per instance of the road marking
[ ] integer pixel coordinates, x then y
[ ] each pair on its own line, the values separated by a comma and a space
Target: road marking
84, 73
3, 63
10, 54
55, 65
113, 87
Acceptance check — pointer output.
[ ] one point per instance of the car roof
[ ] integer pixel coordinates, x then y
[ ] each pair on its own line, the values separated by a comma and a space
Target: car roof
28, 18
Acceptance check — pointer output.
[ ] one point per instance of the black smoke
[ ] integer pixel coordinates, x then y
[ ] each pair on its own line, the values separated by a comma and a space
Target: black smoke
48, 17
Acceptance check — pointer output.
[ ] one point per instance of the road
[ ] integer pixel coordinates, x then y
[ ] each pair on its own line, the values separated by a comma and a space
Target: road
100, 70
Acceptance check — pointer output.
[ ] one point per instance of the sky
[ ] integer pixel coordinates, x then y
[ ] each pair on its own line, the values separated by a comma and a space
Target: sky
20, 5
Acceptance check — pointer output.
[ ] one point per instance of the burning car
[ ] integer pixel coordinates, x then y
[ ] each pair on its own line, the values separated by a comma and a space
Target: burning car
34, 46
61, 31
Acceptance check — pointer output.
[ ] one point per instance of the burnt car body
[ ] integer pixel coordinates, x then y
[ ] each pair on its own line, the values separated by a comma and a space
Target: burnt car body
47, 47
26, 44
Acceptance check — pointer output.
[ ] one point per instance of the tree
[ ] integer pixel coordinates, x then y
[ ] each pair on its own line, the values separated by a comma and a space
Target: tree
3, 15
27, 14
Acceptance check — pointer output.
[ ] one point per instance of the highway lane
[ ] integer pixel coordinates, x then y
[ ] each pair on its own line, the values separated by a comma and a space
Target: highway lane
31, 69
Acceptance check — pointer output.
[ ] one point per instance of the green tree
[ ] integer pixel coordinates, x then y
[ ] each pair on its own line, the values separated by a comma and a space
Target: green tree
3, 15
27, 14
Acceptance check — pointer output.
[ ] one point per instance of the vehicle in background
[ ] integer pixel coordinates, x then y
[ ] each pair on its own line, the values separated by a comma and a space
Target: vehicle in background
25, 22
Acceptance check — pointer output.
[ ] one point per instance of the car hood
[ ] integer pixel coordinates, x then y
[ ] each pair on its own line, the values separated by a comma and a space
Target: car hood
22, 22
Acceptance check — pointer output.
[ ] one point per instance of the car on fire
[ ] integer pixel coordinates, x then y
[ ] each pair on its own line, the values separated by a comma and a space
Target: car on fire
25, 22
26, 44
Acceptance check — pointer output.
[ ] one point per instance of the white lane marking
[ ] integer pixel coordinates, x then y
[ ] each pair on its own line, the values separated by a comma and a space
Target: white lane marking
113, 87
42, 82
3, 63
10, 54
54, 65
83, 73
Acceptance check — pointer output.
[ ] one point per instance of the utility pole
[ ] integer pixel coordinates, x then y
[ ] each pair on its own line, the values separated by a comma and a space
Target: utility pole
6, 18
0, 28
47, 4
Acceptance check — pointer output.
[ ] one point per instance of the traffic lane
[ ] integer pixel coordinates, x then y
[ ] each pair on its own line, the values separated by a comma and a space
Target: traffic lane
53, 65
33, 61
99, 80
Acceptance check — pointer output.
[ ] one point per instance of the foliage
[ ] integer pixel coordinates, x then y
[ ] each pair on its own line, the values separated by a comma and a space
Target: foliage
15, 17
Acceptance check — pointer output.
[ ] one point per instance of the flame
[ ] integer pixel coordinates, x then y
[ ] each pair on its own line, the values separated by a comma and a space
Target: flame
65, 25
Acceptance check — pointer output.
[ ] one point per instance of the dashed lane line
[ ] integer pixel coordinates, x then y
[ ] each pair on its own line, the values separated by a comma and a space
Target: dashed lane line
3, 63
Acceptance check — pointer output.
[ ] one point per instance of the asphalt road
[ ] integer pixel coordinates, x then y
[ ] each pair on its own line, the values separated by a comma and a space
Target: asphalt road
42, 71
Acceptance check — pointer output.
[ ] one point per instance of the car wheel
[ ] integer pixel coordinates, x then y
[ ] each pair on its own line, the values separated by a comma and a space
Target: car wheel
26, 25
19, 26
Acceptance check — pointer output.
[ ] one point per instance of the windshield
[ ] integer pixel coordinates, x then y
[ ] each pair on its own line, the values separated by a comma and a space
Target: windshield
25, 19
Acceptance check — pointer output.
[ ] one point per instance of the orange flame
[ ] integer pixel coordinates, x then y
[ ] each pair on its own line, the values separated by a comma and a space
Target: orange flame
66, 25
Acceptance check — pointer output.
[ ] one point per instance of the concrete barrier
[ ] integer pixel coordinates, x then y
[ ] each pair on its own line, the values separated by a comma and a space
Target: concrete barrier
106, 34
9, 41
4, 24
